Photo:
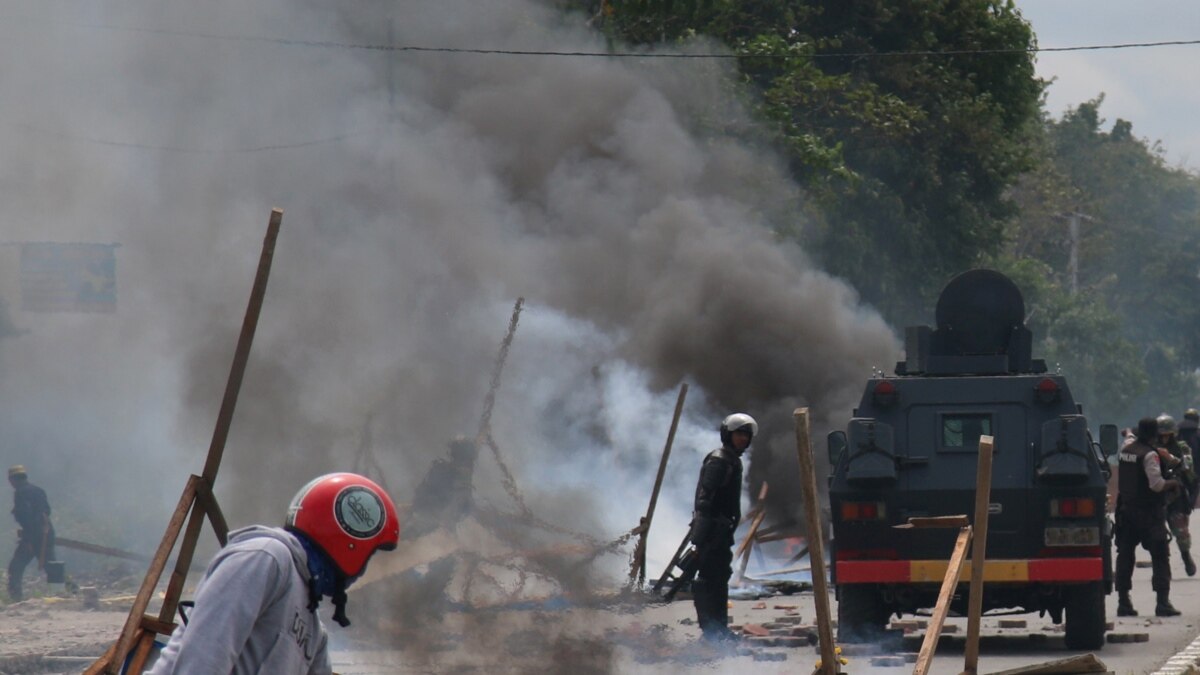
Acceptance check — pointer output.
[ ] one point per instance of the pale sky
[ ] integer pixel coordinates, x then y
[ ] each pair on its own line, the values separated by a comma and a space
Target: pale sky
1155, 88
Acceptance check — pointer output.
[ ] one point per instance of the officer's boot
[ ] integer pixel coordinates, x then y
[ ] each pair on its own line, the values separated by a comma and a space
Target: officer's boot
1189, 565
1164, 606
1125, 605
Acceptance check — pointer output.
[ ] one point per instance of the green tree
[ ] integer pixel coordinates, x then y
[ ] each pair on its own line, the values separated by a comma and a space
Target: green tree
1138, 253
907, 144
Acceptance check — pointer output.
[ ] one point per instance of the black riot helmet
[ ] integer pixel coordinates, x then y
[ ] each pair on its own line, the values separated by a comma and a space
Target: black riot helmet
1147, 429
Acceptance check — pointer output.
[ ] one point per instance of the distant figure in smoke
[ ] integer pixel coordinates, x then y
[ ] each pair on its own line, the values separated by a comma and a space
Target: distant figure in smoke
35, 539
256, 607
443, 498
717, 513
445, 494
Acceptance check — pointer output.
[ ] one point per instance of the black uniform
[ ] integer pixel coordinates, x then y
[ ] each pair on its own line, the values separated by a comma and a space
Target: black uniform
717, 513
36, 536
1141, 517
1189, 432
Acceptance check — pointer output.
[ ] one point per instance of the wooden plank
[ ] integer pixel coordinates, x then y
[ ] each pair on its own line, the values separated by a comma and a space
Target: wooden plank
743, 550
1075, 665
983, 492
812, 516
934, 631
142, 600
934, 521
216, 448
637, 571
100, 664
212, 464
99, 550
151, 623
137, 663
208, 501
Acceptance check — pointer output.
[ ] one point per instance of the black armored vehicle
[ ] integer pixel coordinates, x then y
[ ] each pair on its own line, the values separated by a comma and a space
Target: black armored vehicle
910, 450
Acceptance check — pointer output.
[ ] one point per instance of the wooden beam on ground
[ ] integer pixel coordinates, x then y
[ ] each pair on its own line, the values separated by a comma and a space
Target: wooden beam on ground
934, 631
983, 492
99, 550
1075, 665
637, 567
812, 515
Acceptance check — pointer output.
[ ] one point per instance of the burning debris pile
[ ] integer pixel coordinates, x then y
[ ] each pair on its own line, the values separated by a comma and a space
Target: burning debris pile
462, 562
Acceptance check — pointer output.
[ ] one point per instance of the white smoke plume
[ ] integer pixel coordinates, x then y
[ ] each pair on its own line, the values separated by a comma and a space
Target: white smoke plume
423, 193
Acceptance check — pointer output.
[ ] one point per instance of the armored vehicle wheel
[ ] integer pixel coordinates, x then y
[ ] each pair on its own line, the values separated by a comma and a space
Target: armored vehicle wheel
1085, 616
861, 615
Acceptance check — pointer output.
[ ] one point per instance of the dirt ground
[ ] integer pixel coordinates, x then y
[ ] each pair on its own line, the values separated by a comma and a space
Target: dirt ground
57, 635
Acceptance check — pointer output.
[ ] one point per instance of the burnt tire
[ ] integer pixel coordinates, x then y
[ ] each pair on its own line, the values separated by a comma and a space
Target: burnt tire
862, 617
1085, 616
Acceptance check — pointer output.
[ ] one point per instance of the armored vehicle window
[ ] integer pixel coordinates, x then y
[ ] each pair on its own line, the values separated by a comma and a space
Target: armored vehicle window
961, 431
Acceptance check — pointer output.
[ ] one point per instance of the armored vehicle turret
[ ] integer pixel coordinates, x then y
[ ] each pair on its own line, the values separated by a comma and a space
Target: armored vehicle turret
911, 450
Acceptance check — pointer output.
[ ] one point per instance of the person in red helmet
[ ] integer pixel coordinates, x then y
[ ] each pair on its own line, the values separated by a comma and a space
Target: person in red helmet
256, 607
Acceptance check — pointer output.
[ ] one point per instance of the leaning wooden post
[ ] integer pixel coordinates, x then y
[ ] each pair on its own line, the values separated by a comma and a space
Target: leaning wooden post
637, 572
816, 544
200, 488
983, 490
942, 608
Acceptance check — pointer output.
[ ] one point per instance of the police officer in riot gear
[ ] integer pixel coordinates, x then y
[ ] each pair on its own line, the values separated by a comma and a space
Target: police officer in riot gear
717, 512
1141, 518
1179, 505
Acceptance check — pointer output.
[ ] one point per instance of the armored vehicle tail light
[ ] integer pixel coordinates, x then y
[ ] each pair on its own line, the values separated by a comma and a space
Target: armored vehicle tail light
885, 394
1047, 391
1072, 508
864, 510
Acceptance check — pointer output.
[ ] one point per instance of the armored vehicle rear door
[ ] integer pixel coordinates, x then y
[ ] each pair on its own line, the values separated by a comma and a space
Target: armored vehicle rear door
943, 447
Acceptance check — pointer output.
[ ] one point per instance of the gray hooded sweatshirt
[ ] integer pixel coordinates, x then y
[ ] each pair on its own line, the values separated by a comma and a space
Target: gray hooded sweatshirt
251, 613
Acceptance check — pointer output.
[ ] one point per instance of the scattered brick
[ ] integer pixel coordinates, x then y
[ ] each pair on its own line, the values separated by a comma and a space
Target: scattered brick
1110, 625
761, 641
792, 620
755, 630
1013, 623
759, 605
807, 632
859, 649
949, 628
791, 642
785, 606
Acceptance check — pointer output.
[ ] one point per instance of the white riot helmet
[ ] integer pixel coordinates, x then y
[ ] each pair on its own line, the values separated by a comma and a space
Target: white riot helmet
737, 422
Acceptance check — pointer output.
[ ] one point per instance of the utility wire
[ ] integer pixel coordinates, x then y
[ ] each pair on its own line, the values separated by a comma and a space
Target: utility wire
331, 44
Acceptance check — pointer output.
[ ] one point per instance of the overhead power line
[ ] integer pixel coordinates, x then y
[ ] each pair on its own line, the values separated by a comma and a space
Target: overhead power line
377, 47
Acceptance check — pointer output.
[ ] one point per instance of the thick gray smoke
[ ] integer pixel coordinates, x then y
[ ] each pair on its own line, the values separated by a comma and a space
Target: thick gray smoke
423, 193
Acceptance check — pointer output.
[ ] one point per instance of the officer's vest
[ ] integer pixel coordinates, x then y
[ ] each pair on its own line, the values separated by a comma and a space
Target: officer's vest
1132, 483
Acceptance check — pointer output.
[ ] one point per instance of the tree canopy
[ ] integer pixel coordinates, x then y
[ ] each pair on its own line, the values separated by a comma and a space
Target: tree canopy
917, 130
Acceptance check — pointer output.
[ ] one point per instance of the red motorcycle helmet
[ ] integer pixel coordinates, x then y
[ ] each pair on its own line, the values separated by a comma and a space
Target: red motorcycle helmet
348, 516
